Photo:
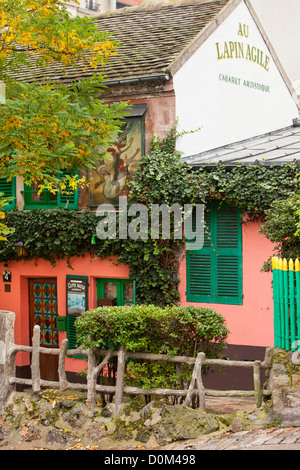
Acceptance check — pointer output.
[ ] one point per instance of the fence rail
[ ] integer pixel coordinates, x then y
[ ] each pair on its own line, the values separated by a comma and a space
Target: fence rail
195, 389
286, 297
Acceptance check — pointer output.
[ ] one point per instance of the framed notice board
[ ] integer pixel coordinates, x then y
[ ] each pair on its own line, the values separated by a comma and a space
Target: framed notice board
77, 295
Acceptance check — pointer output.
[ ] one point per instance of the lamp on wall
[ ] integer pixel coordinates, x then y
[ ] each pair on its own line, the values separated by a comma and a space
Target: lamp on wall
22, 251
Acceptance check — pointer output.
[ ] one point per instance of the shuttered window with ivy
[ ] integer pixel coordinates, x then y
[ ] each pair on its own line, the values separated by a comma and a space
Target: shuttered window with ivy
8, 188
214, 273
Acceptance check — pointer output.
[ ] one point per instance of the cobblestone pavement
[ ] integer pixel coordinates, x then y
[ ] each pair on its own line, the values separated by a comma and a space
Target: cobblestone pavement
262, 439
273, 438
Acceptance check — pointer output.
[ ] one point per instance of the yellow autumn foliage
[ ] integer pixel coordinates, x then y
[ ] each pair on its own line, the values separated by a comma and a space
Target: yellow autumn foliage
45, 29
48, 131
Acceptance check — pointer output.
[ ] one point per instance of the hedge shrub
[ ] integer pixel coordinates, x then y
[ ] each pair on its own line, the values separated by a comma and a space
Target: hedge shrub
172, 330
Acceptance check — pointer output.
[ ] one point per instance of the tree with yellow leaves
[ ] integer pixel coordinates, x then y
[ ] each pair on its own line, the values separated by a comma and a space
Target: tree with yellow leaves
4, 229
48, 130
45, 30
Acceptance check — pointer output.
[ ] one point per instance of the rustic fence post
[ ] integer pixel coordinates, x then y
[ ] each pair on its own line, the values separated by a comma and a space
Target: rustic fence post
7, 323
93, 371
201, 390
196, 383
35, 361
91, 380
120, 379
257, 386
63, 383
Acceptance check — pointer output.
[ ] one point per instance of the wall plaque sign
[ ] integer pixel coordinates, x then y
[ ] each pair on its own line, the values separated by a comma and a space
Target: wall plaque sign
77, 295
6, 276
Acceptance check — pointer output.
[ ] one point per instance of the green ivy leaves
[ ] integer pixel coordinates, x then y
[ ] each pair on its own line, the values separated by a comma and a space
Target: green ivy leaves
251, 188
161, 178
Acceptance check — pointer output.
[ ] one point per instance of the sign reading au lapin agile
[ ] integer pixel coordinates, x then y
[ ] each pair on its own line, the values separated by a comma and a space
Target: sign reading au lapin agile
243, 50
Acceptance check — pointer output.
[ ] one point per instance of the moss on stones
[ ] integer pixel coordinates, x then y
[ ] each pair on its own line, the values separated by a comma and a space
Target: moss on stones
56, 420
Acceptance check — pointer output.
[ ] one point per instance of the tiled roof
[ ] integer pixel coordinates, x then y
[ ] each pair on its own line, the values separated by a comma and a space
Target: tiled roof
151, 37
274, 148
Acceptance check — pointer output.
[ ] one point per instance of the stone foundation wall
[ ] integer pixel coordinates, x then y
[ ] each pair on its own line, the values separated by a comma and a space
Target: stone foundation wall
284, 381
7, 323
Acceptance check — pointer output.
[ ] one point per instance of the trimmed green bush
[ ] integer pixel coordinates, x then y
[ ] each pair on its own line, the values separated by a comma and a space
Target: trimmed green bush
172, 330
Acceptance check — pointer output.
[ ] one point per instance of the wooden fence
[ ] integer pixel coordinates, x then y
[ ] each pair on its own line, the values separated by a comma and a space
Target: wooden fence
195, 389
286, 297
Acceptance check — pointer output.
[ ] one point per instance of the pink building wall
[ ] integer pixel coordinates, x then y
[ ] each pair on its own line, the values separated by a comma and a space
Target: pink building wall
17, 300
250, 323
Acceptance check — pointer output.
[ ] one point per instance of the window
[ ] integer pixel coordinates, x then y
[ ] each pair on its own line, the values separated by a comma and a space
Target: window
123, 290
8, 188
48, 200
92, 5
214, 273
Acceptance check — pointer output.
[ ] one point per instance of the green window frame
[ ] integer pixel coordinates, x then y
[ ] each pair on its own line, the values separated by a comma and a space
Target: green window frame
214, 273
47, 200
8, 188
120, 290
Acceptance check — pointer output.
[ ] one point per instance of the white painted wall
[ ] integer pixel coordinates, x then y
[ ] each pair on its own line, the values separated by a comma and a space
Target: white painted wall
229, 112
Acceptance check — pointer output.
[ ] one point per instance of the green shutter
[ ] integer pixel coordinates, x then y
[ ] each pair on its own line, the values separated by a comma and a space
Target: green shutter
228, 279
214, 273
199, 275
227, 228
68, 199
8, 188
72, 337
71, 333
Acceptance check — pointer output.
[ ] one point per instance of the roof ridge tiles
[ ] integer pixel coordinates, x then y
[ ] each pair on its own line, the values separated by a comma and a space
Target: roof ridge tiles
165, 31
152, 5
